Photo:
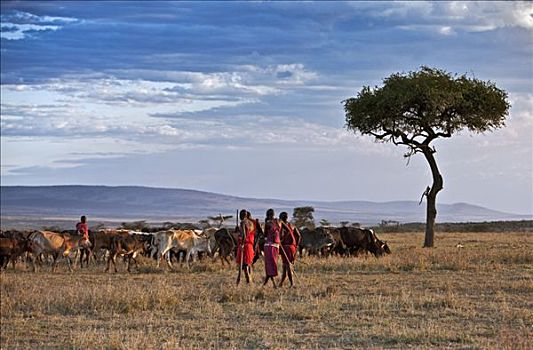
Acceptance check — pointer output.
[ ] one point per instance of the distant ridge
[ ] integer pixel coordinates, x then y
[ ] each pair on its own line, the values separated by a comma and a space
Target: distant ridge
128, 202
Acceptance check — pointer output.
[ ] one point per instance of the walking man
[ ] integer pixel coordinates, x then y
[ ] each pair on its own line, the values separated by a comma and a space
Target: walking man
245, 245
290, 238
271, 249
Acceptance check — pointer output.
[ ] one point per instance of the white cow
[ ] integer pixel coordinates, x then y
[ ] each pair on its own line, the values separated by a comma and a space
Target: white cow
165, 241
199, 243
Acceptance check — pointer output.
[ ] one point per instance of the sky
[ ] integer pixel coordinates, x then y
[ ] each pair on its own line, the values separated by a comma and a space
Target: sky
245, 98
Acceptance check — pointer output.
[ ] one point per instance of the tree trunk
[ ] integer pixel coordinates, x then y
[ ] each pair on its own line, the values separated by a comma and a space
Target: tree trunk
431, 212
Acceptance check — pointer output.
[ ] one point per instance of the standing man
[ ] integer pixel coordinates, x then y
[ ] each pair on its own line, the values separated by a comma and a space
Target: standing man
271, 249
245, 245
83, 229
290, 238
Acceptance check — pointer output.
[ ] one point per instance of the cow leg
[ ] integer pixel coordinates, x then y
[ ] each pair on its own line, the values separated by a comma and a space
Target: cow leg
87, 256
162, 256
136, 263
84, 254
55, 256
169, 263
128, 262
109, 258
188, 258
32, 260
69, 261
114, 262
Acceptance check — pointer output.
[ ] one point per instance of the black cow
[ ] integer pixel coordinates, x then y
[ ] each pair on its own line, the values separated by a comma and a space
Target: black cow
226, 244
314, 241
338, 247
363, 240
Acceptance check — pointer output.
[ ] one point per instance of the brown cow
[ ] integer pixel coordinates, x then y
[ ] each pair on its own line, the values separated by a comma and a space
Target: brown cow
56, 244
103, 239
11, 249
128, 246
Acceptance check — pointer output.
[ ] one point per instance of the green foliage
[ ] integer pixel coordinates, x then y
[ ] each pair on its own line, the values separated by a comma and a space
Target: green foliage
325, 223
52, 228
204, 223
135, 225
97, 226
218, 219
415, 108
303, 217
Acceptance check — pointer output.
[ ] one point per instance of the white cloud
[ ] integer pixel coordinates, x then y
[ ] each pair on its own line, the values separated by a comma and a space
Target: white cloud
450, 16
12, 31
19, 25
446, 30
26, 17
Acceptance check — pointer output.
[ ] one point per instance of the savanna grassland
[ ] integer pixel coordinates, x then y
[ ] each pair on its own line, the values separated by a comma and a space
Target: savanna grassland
476, 297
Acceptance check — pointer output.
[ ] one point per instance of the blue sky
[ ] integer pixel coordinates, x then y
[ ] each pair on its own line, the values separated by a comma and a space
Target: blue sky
245, 98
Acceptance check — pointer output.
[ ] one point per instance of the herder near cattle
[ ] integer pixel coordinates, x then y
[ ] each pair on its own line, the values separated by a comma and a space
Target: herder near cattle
245, 245
272, 241
290, 238
83, 229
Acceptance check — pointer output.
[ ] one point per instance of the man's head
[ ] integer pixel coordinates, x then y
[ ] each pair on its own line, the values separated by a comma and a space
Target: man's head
283, 216
270, 214
242, 214
83, 219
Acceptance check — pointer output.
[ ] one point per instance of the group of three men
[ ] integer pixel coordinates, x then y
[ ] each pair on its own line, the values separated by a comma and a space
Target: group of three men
281, 238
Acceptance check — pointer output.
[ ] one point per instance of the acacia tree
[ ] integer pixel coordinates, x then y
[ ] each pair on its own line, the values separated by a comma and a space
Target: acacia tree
413, 109
303, 217
325, 223
219, 219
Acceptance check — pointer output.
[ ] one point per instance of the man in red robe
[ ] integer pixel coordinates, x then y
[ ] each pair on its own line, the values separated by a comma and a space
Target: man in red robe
290, 238
83, 229
245, 245
271, 247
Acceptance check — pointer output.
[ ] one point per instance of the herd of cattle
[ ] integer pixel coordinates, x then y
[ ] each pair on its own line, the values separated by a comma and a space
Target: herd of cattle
36, 247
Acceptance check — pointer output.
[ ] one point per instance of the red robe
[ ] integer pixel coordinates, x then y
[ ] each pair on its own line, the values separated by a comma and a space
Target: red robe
248, 252
271, 248
83, 228
288, 243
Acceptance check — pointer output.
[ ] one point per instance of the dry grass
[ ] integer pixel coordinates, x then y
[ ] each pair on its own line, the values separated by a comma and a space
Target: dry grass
477, 297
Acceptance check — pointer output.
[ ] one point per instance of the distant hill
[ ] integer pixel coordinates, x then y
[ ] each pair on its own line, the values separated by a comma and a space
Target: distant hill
159, 204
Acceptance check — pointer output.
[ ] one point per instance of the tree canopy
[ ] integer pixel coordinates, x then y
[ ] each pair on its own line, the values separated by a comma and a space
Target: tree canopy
303, 217
414, 109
